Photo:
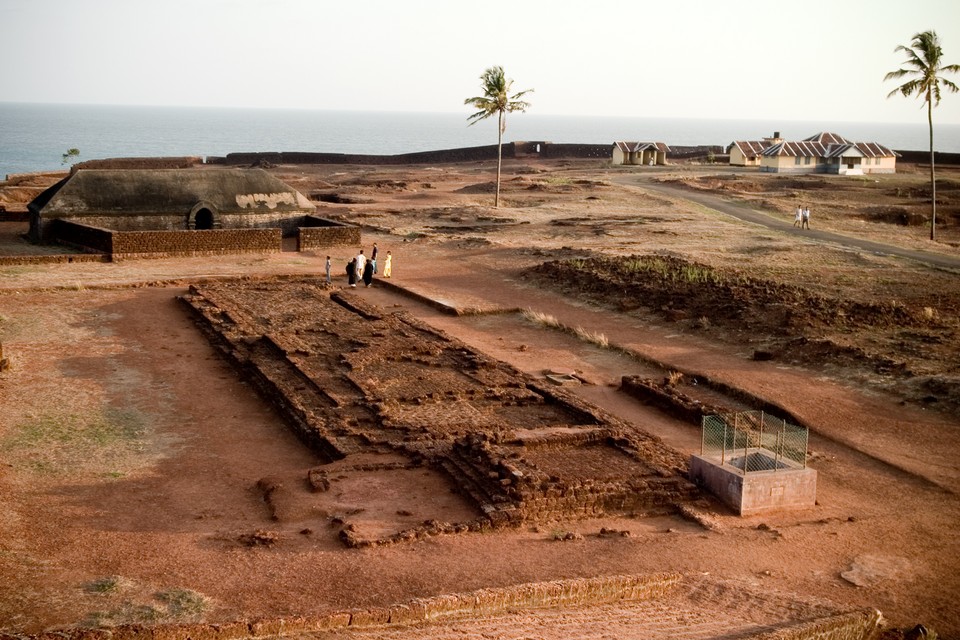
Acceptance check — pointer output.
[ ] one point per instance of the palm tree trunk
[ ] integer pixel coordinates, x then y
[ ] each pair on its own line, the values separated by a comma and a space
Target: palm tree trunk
496, 201
933, 180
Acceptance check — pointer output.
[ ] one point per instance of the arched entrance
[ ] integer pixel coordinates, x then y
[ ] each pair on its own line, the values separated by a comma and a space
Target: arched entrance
203, 216
203, 219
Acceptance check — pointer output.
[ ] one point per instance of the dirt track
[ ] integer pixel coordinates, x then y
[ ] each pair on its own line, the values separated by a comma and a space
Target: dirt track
133, 450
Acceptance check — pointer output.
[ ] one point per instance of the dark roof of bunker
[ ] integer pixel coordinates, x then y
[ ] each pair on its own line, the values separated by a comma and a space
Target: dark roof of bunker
168, 191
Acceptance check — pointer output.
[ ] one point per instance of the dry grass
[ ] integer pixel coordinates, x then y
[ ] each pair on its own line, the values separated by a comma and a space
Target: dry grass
547, 320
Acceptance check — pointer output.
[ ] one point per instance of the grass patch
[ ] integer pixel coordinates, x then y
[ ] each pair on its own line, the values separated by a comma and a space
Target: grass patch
69, 443
109, 585
183, 602
170, 605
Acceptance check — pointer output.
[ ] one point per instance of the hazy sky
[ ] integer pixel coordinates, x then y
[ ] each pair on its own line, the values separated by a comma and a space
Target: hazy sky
763, 59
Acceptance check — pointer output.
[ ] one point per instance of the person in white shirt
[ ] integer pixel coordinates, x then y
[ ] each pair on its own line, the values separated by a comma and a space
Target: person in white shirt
361, 263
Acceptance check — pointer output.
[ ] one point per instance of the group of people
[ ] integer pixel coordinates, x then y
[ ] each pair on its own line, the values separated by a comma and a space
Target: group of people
362, 269
802, 217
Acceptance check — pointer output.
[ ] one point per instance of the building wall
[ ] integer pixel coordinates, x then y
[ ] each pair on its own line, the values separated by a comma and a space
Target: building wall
882, 165
127, 244
213, 241
319, 233
787, 164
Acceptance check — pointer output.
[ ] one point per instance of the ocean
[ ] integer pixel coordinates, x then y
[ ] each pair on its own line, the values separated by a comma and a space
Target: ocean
34, 137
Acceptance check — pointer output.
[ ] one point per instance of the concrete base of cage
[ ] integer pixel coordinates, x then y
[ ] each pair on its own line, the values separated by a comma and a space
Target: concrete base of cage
778, 484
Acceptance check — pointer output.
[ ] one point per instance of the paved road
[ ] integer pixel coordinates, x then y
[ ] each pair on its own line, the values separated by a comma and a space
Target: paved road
745, 212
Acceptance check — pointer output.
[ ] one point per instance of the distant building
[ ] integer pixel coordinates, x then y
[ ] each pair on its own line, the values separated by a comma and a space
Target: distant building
746, 153
820, 153
640, 153
828, 153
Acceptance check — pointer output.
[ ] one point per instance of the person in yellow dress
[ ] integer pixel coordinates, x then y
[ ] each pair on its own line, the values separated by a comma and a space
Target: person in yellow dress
387, 265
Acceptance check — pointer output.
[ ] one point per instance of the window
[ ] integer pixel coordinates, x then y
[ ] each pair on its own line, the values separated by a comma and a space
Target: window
807, 160
796, 160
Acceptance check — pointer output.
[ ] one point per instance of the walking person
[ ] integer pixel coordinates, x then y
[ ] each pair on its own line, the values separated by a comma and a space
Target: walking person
352, 272
373, 257
798, 217
359, 263
328, 269
387, 265
368, 273
806, 218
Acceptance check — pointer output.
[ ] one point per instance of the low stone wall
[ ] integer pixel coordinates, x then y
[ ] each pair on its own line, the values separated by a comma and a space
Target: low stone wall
129, 244
146, 244
923, 157
60, 258
81, 235
464, 154
170, 162
320, 233
668, 399
576, 592
858, 625
581, 592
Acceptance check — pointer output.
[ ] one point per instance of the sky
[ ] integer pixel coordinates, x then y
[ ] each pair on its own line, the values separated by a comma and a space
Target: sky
812, 60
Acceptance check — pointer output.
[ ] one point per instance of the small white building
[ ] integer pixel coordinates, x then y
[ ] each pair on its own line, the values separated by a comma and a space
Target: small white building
746, 153
640, 153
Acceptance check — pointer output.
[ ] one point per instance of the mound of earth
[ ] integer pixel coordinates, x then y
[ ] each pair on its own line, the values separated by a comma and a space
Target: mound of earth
905, 344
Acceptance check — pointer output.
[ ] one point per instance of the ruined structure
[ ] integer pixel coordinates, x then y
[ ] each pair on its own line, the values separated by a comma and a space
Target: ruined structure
135, 211
355, 381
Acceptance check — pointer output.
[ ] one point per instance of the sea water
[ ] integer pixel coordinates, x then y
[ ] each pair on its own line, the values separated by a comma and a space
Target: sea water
34, 137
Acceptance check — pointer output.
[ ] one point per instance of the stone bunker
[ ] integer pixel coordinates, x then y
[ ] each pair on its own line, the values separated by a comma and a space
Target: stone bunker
149, 211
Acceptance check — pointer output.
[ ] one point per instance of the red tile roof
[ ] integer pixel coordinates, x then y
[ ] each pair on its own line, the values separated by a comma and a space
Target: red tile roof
827, 145
633, 147
751, 148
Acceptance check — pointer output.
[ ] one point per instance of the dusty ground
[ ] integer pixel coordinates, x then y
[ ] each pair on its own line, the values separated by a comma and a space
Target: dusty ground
133, 452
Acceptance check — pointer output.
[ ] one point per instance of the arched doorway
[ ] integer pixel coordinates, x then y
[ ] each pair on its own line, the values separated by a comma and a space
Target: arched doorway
202, 216
203, 219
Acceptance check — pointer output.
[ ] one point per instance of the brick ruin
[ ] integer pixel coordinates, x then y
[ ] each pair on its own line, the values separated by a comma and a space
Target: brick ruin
350, 379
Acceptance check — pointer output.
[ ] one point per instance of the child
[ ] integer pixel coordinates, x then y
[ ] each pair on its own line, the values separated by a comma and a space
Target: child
328, 269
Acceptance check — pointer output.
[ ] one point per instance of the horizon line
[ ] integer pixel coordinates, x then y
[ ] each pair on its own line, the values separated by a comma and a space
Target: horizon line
919, 121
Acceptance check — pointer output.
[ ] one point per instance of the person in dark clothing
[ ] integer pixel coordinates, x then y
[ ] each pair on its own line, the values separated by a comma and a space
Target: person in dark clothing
368, 273
352, 272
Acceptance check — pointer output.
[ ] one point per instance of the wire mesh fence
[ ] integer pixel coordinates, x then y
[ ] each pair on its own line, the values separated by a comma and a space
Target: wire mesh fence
754, 441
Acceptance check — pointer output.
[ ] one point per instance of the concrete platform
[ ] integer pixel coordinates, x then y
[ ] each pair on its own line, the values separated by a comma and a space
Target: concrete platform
779, 485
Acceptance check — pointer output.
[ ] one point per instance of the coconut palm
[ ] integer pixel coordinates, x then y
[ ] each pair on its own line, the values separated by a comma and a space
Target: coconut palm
923, 67
496, 100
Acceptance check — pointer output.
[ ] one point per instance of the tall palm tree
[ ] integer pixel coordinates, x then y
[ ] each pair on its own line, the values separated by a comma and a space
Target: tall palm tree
924, 68
496, 100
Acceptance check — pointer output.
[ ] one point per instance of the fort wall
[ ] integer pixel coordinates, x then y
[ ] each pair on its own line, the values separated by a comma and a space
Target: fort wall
319, 233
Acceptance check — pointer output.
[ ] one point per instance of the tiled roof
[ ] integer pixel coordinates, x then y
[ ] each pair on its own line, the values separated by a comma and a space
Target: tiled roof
633, 147
751, 148
827, 138
827, 145
874, 150
793, 149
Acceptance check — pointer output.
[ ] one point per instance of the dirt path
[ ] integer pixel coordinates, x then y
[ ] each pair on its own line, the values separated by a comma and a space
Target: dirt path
746, 212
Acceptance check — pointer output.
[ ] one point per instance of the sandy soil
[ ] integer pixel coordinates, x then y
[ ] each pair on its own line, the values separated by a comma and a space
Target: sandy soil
134, 456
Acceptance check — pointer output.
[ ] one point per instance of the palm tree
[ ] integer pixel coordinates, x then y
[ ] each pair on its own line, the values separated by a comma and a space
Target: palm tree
925, 70
496, 100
